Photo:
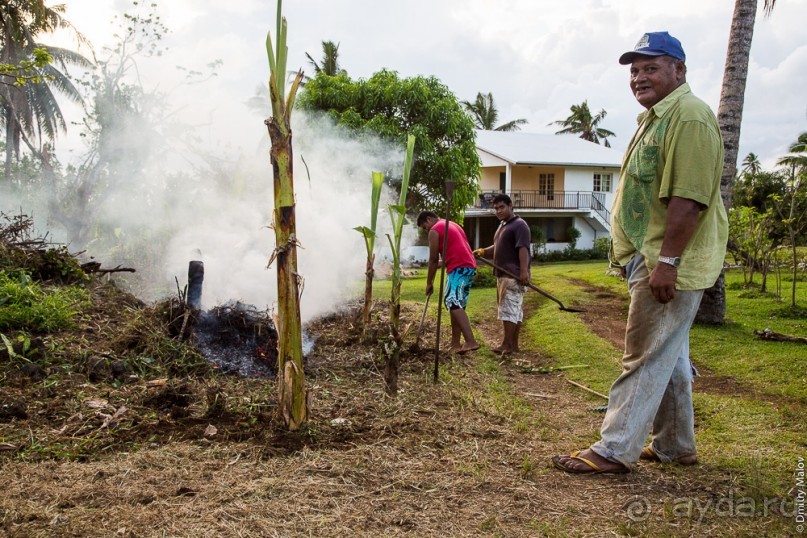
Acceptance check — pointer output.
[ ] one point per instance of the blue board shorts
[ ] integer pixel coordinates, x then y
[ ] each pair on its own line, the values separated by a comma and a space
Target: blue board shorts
459, 287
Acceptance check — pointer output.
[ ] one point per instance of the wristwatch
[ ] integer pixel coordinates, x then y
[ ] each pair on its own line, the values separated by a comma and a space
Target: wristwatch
674, 261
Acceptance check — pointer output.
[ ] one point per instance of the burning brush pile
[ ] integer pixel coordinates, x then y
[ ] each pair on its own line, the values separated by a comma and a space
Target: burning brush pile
235, 338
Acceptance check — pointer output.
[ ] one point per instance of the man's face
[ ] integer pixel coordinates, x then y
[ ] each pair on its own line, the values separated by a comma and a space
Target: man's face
427, 226
503, 211
652, 78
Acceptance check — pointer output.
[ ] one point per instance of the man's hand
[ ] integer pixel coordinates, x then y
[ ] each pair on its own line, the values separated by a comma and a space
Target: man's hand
662, 282
524, 277
429, 289
480, 252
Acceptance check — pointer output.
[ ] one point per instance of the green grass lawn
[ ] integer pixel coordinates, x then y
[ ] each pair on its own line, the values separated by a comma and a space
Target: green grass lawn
755, 431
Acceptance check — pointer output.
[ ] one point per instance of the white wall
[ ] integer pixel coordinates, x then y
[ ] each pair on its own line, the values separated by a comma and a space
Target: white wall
582, 179
587, 235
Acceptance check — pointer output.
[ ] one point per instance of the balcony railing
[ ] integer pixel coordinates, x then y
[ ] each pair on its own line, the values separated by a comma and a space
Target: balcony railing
550, 200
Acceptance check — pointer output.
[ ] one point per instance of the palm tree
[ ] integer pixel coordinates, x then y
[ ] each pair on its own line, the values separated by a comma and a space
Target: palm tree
30, 112
483, 112
581, 121
732, 95
330, 60
798, 155
751, 165
729, 116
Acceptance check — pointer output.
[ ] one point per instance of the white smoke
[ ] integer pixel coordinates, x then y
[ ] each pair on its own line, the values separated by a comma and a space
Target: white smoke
232, 229
172, 217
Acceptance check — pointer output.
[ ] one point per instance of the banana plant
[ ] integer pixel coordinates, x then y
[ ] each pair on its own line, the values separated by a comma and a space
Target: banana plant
397, 215
369, 242
292, 401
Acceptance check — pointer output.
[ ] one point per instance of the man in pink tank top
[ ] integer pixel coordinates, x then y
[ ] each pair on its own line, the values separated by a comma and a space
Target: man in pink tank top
460, 269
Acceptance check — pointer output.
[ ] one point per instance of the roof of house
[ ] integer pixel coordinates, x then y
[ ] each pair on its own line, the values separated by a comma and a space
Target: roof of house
517, 147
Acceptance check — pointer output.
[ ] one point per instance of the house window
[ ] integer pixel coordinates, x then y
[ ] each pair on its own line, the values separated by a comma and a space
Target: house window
546, 186
602, 182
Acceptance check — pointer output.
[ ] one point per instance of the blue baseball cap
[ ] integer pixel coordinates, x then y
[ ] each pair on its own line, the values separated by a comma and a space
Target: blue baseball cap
655, 44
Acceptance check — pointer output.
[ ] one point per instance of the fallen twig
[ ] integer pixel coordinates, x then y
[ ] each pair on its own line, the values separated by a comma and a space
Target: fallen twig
549, 369
600, 394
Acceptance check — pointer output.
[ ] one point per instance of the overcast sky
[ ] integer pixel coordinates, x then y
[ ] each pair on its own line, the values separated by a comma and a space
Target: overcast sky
537, 57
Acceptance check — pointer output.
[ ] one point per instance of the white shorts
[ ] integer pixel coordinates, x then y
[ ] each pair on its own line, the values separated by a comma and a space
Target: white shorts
511, 296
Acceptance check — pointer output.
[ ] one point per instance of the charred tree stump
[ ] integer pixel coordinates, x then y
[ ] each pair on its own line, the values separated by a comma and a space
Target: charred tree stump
392, 360
196, 277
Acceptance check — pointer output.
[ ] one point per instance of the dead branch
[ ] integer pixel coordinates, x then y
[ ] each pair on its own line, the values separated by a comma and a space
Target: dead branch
768, 334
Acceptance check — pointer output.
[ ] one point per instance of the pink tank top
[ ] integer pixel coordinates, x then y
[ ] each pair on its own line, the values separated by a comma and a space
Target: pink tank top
459, 252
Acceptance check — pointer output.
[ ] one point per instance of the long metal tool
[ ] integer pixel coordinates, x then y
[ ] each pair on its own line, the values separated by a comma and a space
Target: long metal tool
449, 194
529, 285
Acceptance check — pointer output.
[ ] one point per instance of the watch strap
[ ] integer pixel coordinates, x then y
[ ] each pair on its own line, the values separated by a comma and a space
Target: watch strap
670, 260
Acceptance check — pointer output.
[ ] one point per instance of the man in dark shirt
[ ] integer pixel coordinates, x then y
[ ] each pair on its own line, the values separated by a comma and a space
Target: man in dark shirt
510, 251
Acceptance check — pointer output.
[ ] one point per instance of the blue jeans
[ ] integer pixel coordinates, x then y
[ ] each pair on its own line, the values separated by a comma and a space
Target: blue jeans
655, 387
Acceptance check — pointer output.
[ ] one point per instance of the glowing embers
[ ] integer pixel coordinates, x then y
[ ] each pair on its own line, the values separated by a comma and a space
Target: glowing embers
238, 339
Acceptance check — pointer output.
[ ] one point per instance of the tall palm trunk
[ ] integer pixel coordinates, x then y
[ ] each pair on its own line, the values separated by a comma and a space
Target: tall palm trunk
732, 95
729, 116
292, 401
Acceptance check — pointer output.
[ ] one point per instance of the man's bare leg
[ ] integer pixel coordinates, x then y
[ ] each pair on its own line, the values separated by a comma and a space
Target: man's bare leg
508, 339
459, 318
516, 348
456, 333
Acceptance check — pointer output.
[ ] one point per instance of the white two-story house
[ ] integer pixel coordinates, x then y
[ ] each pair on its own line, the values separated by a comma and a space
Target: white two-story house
556, 182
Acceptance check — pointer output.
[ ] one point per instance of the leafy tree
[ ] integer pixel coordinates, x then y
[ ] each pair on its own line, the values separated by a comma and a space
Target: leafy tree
792, 207
763, 192
483, 112
755, 190
31, 112
582, 122
25, 71
123, 127
392, 107
750, 240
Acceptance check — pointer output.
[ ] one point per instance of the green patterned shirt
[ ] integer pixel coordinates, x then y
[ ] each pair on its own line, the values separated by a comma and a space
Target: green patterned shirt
676, 151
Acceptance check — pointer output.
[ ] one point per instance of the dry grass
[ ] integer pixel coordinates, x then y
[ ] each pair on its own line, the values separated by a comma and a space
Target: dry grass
466, 457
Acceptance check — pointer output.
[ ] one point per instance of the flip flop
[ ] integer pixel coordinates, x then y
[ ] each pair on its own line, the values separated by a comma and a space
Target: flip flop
648, 454
593, 468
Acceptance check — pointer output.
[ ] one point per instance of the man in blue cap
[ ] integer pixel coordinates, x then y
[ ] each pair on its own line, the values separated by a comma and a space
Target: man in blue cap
669, 232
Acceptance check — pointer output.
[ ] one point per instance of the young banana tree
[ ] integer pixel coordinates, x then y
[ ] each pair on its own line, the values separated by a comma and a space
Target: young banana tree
369, 242
292, 403
397, 215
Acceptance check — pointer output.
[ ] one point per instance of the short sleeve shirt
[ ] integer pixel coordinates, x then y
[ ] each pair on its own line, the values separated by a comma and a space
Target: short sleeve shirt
459, 252
510, 236
676, 151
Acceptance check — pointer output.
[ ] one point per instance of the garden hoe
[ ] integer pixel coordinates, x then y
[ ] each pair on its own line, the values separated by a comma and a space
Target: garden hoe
529, 285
